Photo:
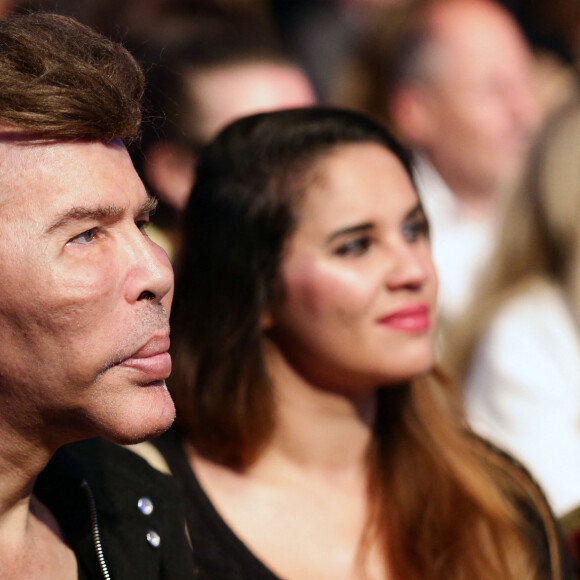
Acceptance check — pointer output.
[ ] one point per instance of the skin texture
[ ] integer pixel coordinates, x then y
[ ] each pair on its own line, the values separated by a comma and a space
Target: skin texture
326, 353
80, 294
476, 108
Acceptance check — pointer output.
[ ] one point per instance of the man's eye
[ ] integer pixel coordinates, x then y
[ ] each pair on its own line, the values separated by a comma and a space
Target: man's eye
87, 237
354, 247
143, 225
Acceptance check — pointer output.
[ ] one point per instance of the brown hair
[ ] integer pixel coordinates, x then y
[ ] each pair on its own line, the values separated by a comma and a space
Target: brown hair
442, 502
62, 80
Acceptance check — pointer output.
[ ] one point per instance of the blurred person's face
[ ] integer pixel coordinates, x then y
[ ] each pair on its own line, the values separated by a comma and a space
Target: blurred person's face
85, 296
227, 93
359, 288
219, 97
480, 100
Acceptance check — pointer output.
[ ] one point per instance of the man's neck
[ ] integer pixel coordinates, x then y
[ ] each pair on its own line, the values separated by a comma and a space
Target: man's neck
21, 460
477, 204
31, 545
478, 200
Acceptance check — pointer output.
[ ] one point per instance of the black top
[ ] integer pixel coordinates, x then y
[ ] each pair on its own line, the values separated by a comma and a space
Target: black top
216, 548
223, 556
112, 480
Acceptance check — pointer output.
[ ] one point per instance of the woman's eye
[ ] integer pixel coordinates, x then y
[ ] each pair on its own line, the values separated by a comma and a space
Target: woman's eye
87, 237
416, 229
354, 247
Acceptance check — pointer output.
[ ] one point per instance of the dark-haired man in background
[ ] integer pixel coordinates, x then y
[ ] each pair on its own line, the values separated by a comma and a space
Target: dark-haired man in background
203, 73
83, 316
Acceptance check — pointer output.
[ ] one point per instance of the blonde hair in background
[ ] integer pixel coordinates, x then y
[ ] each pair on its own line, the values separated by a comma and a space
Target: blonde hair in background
539, 236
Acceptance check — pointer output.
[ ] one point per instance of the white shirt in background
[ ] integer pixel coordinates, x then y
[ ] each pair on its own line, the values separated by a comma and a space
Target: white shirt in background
461, 243
523, 390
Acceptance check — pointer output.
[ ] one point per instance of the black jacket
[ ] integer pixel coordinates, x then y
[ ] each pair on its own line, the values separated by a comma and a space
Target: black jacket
122, 518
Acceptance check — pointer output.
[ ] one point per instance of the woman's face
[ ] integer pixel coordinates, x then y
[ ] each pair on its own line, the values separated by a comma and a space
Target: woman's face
360, 289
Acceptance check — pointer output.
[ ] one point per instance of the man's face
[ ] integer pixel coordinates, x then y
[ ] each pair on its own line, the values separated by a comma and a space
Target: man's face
85, 296
481, 100
226, 93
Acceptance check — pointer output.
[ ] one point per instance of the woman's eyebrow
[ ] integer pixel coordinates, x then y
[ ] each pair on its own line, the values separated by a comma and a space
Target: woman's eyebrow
417, 210
350, 230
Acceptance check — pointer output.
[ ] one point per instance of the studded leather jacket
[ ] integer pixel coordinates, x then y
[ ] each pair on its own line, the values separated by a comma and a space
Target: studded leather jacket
122, 518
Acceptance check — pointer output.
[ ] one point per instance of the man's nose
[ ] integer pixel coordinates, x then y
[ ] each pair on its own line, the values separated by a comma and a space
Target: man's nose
149, 272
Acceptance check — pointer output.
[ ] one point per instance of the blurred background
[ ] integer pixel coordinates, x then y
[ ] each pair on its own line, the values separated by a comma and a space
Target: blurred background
483, 92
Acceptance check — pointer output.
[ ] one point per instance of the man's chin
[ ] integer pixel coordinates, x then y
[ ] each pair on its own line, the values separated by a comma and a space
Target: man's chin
138, 436
147, 422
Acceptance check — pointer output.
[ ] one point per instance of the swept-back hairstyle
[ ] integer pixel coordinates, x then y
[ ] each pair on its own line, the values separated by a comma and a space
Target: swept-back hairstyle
441, 502
60, 79
539, 238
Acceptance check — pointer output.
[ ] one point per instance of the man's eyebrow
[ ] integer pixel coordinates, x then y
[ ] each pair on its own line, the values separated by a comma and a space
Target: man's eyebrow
149, 206
350, 230
100, 213
107, 212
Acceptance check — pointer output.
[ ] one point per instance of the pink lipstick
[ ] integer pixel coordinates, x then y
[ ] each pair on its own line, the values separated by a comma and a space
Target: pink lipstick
410, 319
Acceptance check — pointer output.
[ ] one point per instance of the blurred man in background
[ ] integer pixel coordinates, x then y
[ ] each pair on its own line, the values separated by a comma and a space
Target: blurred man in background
454, 79
206, 72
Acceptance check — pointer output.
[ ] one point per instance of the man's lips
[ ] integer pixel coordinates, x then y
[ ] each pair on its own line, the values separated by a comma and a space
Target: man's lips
412, 318
152, 359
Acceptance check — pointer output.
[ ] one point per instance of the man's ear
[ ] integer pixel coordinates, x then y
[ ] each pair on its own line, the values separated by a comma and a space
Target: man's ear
410, 109
170, 170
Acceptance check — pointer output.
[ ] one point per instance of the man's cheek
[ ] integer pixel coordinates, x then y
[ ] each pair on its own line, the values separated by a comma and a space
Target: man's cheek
75, 311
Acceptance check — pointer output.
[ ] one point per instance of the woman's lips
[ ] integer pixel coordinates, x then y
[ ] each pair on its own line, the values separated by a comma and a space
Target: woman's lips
410, 319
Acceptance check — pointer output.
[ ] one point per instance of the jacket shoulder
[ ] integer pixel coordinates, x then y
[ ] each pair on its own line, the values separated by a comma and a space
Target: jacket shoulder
139, 512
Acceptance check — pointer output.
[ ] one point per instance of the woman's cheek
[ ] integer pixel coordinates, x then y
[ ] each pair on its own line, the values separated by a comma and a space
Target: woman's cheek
318, 288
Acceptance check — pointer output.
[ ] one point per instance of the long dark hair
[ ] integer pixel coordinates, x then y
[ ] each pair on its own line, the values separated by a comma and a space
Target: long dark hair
242, 210
437, 497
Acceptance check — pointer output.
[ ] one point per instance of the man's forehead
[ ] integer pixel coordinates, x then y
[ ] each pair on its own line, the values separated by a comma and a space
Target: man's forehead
55, 169
15, 155
17, 163
21, 161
